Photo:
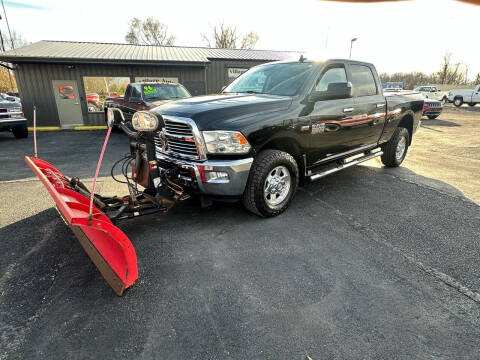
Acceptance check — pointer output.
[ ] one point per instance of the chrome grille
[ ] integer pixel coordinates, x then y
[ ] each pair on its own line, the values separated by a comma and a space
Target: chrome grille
177, 139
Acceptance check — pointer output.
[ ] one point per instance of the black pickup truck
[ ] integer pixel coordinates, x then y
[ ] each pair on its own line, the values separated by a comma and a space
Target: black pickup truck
275, 127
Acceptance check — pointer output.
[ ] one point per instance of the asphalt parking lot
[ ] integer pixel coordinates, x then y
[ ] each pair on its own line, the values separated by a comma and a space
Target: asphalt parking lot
366, 263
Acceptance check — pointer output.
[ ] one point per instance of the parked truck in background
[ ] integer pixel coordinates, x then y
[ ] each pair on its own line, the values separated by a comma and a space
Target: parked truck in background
145, 96
461, 96
273, 128
432, 92
12, 118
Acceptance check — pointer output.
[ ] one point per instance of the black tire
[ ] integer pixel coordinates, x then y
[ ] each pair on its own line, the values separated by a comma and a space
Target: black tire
458, 101
20, 132
472, 104
389, 157
266, 162
432, 116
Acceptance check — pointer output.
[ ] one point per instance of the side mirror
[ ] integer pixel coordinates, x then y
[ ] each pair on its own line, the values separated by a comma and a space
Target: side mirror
341, 90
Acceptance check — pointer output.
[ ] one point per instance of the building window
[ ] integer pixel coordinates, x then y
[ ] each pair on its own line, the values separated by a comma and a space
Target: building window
99, 88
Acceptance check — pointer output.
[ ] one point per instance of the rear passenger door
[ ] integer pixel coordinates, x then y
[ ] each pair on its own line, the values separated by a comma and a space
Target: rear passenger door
369, 104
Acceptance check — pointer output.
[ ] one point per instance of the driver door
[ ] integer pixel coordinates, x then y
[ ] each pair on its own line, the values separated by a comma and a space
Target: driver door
332, 129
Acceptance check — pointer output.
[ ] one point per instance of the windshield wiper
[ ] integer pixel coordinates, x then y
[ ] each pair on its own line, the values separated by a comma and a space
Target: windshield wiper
253, 92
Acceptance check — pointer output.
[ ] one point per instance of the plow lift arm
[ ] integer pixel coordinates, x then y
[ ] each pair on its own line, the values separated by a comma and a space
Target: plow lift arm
91, 216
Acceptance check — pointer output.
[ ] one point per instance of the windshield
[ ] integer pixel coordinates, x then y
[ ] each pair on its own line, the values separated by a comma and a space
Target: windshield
164, 92
274, 79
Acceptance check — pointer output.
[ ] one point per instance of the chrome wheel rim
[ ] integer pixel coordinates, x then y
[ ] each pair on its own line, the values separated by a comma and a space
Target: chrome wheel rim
457, 102
277, 186
401, 146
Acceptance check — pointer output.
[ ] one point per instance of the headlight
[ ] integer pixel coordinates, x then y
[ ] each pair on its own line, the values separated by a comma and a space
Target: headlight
225, 142
144, 121
17, 110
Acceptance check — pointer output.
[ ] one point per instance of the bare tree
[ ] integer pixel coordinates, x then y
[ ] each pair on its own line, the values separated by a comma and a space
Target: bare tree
250, 40
148, 32
7, 77
477, 79
15, 41
227, 37
450, 73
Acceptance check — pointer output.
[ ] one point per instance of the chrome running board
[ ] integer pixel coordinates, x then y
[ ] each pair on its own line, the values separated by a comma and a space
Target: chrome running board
355, 161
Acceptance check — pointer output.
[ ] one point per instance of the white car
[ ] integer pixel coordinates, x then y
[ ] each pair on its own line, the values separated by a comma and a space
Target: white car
432, 92
470, 97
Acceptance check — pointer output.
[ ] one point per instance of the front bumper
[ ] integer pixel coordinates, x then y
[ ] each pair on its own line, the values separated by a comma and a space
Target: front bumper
432, 111
8, 123
191, 174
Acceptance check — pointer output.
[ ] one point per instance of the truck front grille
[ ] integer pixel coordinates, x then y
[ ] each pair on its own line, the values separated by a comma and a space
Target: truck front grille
178, 140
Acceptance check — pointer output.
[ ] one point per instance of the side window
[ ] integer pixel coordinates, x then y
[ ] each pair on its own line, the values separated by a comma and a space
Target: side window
136, 92
332, 75
363, 81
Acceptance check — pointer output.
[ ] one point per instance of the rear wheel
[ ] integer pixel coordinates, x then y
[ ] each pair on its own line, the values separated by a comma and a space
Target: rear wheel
432, 116
458, 101
20, 132
271, 184
471, 104
395, 150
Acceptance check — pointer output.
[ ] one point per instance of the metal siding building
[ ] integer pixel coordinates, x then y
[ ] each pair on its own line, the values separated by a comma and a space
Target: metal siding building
200, 70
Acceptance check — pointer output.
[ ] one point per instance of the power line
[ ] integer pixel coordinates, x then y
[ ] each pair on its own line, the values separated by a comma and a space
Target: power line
8, 26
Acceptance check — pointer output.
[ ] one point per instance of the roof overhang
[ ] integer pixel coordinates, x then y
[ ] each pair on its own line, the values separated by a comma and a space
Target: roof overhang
46, 60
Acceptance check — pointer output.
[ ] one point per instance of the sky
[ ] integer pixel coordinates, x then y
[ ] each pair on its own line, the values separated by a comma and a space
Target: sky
396, 36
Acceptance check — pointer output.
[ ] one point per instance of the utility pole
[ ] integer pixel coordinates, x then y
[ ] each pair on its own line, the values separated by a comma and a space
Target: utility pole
351, 44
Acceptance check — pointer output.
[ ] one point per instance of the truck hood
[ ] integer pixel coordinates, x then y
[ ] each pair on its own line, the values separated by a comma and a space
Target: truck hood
158, 102
214, 112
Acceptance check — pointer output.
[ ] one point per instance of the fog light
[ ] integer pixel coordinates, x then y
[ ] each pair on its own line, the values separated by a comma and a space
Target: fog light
213, 176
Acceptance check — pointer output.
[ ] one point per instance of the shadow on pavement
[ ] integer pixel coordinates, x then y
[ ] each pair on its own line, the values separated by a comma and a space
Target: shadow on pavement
438, 122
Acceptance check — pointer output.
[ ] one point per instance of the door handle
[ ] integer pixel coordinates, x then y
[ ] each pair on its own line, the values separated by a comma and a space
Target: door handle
380, 105
348, 110
76, 103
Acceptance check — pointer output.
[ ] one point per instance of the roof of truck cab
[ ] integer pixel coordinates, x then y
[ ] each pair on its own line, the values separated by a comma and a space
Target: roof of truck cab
93, 52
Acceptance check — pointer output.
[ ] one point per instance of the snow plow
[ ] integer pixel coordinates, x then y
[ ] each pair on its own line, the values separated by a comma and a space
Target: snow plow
92, 217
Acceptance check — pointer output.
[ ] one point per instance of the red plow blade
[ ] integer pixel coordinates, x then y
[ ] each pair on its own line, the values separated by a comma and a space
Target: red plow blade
108, 247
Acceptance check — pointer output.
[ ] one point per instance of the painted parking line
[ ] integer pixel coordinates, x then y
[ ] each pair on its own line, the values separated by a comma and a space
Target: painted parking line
98, 127
45, 128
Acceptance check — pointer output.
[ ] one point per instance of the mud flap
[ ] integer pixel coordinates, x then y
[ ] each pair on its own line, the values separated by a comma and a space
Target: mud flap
106, 245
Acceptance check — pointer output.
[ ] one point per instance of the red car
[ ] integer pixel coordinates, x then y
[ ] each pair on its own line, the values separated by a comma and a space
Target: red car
432, 108
93, 99
94, 103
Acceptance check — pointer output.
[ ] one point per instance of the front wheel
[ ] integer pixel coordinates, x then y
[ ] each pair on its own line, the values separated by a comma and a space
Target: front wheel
395, 150
20, 132
271, 184
458, 102
432, 116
